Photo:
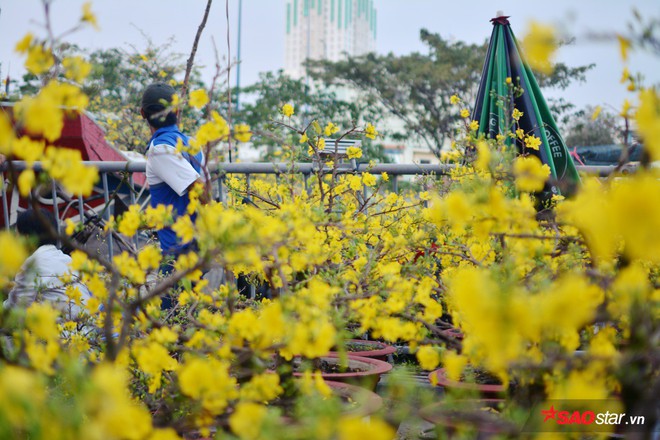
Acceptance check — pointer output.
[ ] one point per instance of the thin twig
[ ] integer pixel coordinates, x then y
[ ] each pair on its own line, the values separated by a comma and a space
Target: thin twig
193, 51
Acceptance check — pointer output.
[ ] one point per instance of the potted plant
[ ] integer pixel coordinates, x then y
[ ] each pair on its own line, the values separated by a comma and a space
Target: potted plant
368, 349
357, 370
487, 385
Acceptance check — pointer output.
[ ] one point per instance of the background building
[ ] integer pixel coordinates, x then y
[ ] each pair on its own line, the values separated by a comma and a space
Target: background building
327, 29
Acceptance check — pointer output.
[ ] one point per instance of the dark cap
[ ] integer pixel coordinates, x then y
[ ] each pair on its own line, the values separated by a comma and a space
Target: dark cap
155, 94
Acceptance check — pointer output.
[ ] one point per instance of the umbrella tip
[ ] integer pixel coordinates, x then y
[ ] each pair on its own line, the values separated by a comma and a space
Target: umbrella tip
500, 18
499, 13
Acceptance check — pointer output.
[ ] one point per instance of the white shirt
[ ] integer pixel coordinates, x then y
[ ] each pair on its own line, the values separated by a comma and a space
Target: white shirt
166, 164
40, 280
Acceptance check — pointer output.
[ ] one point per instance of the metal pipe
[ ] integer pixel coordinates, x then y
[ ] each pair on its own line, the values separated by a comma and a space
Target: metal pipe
106, 197
5, 206
56, 208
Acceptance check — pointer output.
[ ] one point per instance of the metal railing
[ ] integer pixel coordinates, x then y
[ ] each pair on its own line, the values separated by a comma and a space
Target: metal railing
117, 178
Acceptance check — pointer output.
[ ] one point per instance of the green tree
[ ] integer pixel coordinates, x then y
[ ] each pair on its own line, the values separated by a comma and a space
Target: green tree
585, 130
416, 88
261, 105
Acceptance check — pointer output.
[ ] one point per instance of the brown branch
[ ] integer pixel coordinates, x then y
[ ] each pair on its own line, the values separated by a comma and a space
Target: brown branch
191, 59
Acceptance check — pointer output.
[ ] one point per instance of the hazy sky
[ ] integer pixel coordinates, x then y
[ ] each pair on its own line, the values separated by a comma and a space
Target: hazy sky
122, 23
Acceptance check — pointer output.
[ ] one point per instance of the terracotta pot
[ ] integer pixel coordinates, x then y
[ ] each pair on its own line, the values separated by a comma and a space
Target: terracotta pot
380, 351
486, 390
368, 375
477, 414
365, 402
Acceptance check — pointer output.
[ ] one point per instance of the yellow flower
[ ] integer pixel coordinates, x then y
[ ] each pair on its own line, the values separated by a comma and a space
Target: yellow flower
520, 133
149, 257
175, 100
355, 428
330, 129
370, 131
368, 179
39, 59
130, 221
474, 125
198, 98
465, 113
287, 110
483, 156
454, 364
355, 183
242, 133
304, 138
247, 419
354, 152
76, 69
428, 357
648, 121
184, 228
540, 44
624, 47
530, 173
532, 142
517, 114
26, 182
454, 99
508, 80
25, 43
88, 16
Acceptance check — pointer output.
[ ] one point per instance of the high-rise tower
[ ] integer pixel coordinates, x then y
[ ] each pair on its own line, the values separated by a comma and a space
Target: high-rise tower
327, 29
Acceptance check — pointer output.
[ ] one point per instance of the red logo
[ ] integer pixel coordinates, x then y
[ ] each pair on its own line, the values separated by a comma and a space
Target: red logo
567, 417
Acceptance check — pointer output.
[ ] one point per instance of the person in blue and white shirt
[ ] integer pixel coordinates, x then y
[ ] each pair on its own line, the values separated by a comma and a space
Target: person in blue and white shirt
170, 174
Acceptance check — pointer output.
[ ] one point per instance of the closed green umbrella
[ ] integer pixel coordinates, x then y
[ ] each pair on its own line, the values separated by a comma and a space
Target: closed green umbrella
504, 60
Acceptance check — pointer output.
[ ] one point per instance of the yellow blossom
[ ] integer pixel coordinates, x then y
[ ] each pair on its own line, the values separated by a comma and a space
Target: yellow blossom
372, 428
198, 98
88, 16
648, 121
76, 69
287, 110
24, 44
465, 113
39, 59
454, 364
10, 262
428, 357
624, 47
330, 129
149, 257
454, 99
532, 142
517, 114
474, 125
354, 152
242, 133
304, 138
483, 156
368, 179
26, 182
540, 44
247, 419
370, 131
530, 173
